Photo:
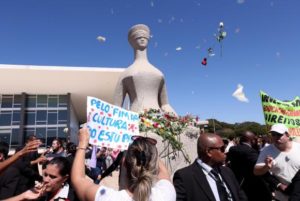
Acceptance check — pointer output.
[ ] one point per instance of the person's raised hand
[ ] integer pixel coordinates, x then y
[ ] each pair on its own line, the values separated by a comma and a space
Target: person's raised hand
41, 159
269, 162
29, 147
34, 193
83, 138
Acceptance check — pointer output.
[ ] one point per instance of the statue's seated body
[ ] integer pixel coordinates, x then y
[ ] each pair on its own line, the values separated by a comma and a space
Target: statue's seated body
145, 85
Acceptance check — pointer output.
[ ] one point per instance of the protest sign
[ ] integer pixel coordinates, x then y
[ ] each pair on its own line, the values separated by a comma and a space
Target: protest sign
284, 112
109, 125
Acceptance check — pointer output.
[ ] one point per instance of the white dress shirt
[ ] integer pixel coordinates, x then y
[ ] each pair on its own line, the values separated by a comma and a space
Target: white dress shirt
211, 179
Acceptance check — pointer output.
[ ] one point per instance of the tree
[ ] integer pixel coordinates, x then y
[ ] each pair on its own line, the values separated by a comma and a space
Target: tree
256, 128
235, 130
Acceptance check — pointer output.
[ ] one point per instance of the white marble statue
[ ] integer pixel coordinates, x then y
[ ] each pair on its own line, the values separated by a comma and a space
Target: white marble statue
144, 84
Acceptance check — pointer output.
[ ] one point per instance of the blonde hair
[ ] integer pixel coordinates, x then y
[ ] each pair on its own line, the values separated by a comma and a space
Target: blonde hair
141, 162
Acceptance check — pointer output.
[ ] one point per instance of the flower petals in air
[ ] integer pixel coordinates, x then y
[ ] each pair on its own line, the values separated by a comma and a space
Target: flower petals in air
239, 94
101, 39
178, 48
152, 4
237, 30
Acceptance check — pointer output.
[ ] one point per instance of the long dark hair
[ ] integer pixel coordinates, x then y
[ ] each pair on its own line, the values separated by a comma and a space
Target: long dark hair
63, 165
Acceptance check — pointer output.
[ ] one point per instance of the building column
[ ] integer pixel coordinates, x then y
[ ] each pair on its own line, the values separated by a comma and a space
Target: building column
21, 136
68, 117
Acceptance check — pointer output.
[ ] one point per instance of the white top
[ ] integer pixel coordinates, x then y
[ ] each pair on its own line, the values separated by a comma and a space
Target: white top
63, 193
163, 190
230, 144
285, 164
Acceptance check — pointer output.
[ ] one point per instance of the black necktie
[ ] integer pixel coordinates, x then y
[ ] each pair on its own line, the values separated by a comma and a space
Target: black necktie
223, 194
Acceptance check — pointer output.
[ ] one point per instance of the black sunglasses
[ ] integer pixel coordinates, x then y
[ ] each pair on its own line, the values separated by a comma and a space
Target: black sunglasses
276, 134
148, 139
221, 149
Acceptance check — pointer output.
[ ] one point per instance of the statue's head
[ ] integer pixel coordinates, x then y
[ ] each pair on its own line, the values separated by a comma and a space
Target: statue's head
138, 36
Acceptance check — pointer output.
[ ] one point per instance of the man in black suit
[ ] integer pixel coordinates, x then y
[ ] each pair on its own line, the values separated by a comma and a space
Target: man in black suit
10, 177
207, 179
9, 183
241, 159
293, 190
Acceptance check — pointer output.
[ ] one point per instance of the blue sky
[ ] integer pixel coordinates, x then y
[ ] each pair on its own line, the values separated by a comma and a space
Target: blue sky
261, 50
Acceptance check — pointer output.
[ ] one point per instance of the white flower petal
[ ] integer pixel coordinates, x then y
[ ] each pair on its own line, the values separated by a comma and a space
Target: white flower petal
239, 94
101, 38
179, 48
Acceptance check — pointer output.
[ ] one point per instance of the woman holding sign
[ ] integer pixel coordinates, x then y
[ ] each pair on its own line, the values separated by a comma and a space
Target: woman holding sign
147, 177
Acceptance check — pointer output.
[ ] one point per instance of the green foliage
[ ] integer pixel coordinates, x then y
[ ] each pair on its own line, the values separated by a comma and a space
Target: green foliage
235, 130
226, 132
213, 126
251, 126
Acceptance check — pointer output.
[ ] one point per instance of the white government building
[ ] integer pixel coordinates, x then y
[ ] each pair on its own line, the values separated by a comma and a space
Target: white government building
49, 101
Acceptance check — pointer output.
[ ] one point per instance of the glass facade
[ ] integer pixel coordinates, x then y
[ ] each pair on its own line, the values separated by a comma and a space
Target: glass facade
45, 116
10, 113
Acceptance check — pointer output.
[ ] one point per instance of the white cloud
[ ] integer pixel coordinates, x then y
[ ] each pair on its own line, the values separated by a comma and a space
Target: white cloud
240, 1
172, 19
239, 94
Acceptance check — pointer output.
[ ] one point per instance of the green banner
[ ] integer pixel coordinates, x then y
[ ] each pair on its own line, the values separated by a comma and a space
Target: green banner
284, 112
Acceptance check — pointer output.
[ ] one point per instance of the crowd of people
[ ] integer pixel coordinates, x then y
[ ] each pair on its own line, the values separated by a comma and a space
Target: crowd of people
225, 170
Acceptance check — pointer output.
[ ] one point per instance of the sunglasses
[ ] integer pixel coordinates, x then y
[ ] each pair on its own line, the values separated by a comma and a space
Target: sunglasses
148, 139
221, 149
275, 134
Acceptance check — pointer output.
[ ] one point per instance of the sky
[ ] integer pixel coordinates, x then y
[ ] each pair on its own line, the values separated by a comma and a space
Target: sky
259, 52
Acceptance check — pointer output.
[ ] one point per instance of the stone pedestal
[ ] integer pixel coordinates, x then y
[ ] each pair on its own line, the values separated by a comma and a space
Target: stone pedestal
176, 161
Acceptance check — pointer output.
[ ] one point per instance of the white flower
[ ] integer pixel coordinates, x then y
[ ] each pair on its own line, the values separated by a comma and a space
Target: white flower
223, 34
178, 48
239, 94
101, 39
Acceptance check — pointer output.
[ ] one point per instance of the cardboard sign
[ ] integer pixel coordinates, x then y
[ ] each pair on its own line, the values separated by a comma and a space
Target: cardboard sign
284, 112
109, 125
